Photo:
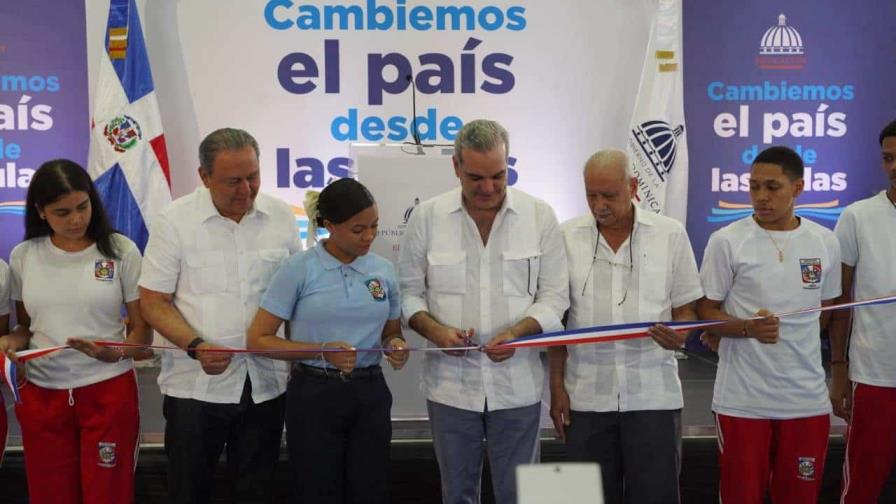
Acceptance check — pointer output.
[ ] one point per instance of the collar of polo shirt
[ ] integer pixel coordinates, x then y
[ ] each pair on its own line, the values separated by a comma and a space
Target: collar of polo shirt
361, 264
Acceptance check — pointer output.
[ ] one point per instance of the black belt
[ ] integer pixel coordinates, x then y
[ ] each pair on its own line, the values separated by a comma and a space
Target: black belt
357, 374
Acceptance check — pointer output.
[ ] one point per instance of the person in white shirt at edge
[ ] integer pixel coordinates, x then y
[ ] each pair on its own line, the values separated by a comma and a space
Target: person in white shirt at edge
770, 398
482, 264
71, 276
868, 404
619, 403
209, 259
4, 329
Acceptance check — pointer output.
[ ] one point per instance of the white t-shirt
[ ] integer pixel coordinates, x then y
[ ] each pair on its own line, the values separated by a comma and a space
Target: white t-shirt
635, 374
74, 295
5, 295
741, 269
868, 243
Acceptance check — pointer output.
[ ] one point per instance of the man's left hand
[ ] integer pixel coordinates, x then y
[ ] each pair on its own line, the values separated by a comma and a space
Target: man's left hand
497, 352
666, 337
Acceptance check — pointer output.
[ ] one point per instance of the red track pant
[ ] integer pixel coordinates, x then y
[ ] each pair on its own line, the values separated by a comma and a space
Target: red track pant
782, 457
870, 443
81, 444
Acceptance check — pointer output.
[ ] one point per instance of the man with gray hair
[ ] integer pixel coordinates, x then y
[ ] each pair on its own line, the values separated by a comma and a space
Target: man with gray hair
619, 403
209, 259
480, 265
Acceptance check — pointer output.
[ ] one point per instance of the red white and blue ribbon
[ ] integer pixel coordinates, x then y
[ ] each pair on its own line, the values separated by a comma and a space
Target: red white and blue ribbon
9, 376
602, 334
585, 335
9, 366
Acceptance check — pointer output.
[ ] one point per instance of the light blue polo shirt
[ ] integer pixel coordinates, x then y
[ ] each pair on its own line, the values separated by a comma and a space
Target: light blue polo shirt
326, 300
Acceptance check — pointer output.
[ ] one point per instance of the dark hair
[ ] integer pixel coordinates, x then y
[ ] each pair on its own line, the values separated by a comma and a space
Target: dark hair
224, 139
55, 179
789, 161
342, 200
888, 131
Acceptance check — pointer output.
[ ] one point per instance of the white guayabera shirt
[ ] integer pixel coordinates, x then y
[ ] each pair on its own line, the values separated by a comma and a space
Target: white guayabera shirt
636, 374
445, 269
217, 270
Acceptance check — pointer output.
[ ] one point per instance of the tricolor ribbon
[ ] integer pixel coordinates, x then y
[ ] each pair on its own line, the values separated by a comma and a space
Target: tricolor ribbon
9, 366
602, 334
9, 376
585, 335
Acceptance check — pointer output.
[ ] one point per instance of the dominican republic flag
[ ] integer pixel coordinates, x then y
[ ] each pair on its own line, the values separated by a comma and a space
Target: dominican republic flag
657, 138
130, 161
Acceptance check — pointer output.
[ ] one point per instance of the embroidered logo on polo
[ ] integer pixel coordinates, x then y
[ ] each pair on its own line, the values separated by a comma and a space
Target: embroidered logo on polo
376, 289
104, 270
107, 454
806, 468
810, 270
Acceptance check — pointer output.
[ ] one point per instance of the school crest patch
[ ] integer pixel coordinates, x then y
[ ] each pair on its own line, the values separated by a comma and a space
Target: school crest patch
106, 454
104, 270
806, 468
810, 270
376, 289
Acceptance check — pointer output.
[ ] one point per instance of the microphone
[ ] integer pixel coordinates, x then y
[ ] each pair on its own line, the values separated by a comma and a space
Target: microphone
415, 134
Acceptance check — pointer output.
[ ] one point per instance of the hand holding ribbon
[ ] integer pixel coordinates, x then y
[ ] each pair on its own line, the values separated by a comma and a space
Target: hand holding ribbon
213, 358
452, 337
764, 329
397, 353
498, 352
343, 358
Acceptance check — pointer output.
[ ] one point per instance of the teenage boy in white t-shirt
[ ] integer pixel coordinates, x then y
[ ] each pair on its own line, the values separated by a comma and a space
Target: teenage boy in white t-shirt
770, 398
868, 247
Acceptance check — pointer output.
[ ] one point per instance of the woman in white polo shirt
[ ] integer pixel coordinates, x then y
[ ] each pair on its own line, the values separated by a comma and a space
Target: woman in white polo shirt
336, 295
70, 278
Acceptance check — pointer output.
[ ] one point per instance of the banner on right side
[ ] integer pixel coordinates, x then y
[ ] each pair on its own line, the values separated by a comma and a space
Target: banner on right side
814, 75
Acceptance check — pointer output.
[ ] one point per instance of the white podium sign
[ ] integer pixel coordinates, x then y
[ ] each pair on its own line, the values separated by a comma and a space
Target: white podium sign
568, 483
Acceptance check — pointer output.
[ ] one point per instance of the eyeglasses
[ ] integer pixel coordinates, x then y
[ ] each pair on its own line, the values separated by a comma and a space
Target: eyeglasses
630, 266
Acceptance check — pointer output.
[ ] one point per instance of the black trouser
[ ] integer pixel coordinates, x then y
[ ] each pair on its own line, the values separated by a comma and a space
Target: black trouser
639, 453
196, 432
338, 433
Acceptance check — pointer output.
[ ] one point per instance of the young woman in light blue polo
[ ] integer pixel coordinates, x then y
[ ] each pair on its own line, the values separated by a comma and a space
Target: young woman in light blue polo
336, 295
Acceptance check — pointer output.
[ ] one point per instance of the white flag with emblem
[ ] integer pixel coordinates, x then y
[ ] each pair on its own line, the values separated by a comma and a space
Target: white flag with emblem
657, 141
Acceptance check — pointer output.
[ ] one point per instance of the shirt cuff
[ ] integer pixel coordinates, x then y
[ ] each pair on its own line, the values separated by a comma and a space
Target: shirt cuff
546, 318
160, 286
410, 306
690, 297
280, 312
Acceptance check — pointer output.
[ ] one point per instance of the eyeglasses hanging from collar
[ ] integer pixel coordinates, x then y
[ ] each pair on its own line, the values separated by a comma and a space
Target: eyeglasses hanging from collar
630, 266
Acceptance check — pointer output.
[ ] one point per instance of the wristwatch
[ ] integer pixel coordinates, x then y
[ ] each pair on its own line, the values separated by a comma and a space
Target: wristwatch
191, 348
